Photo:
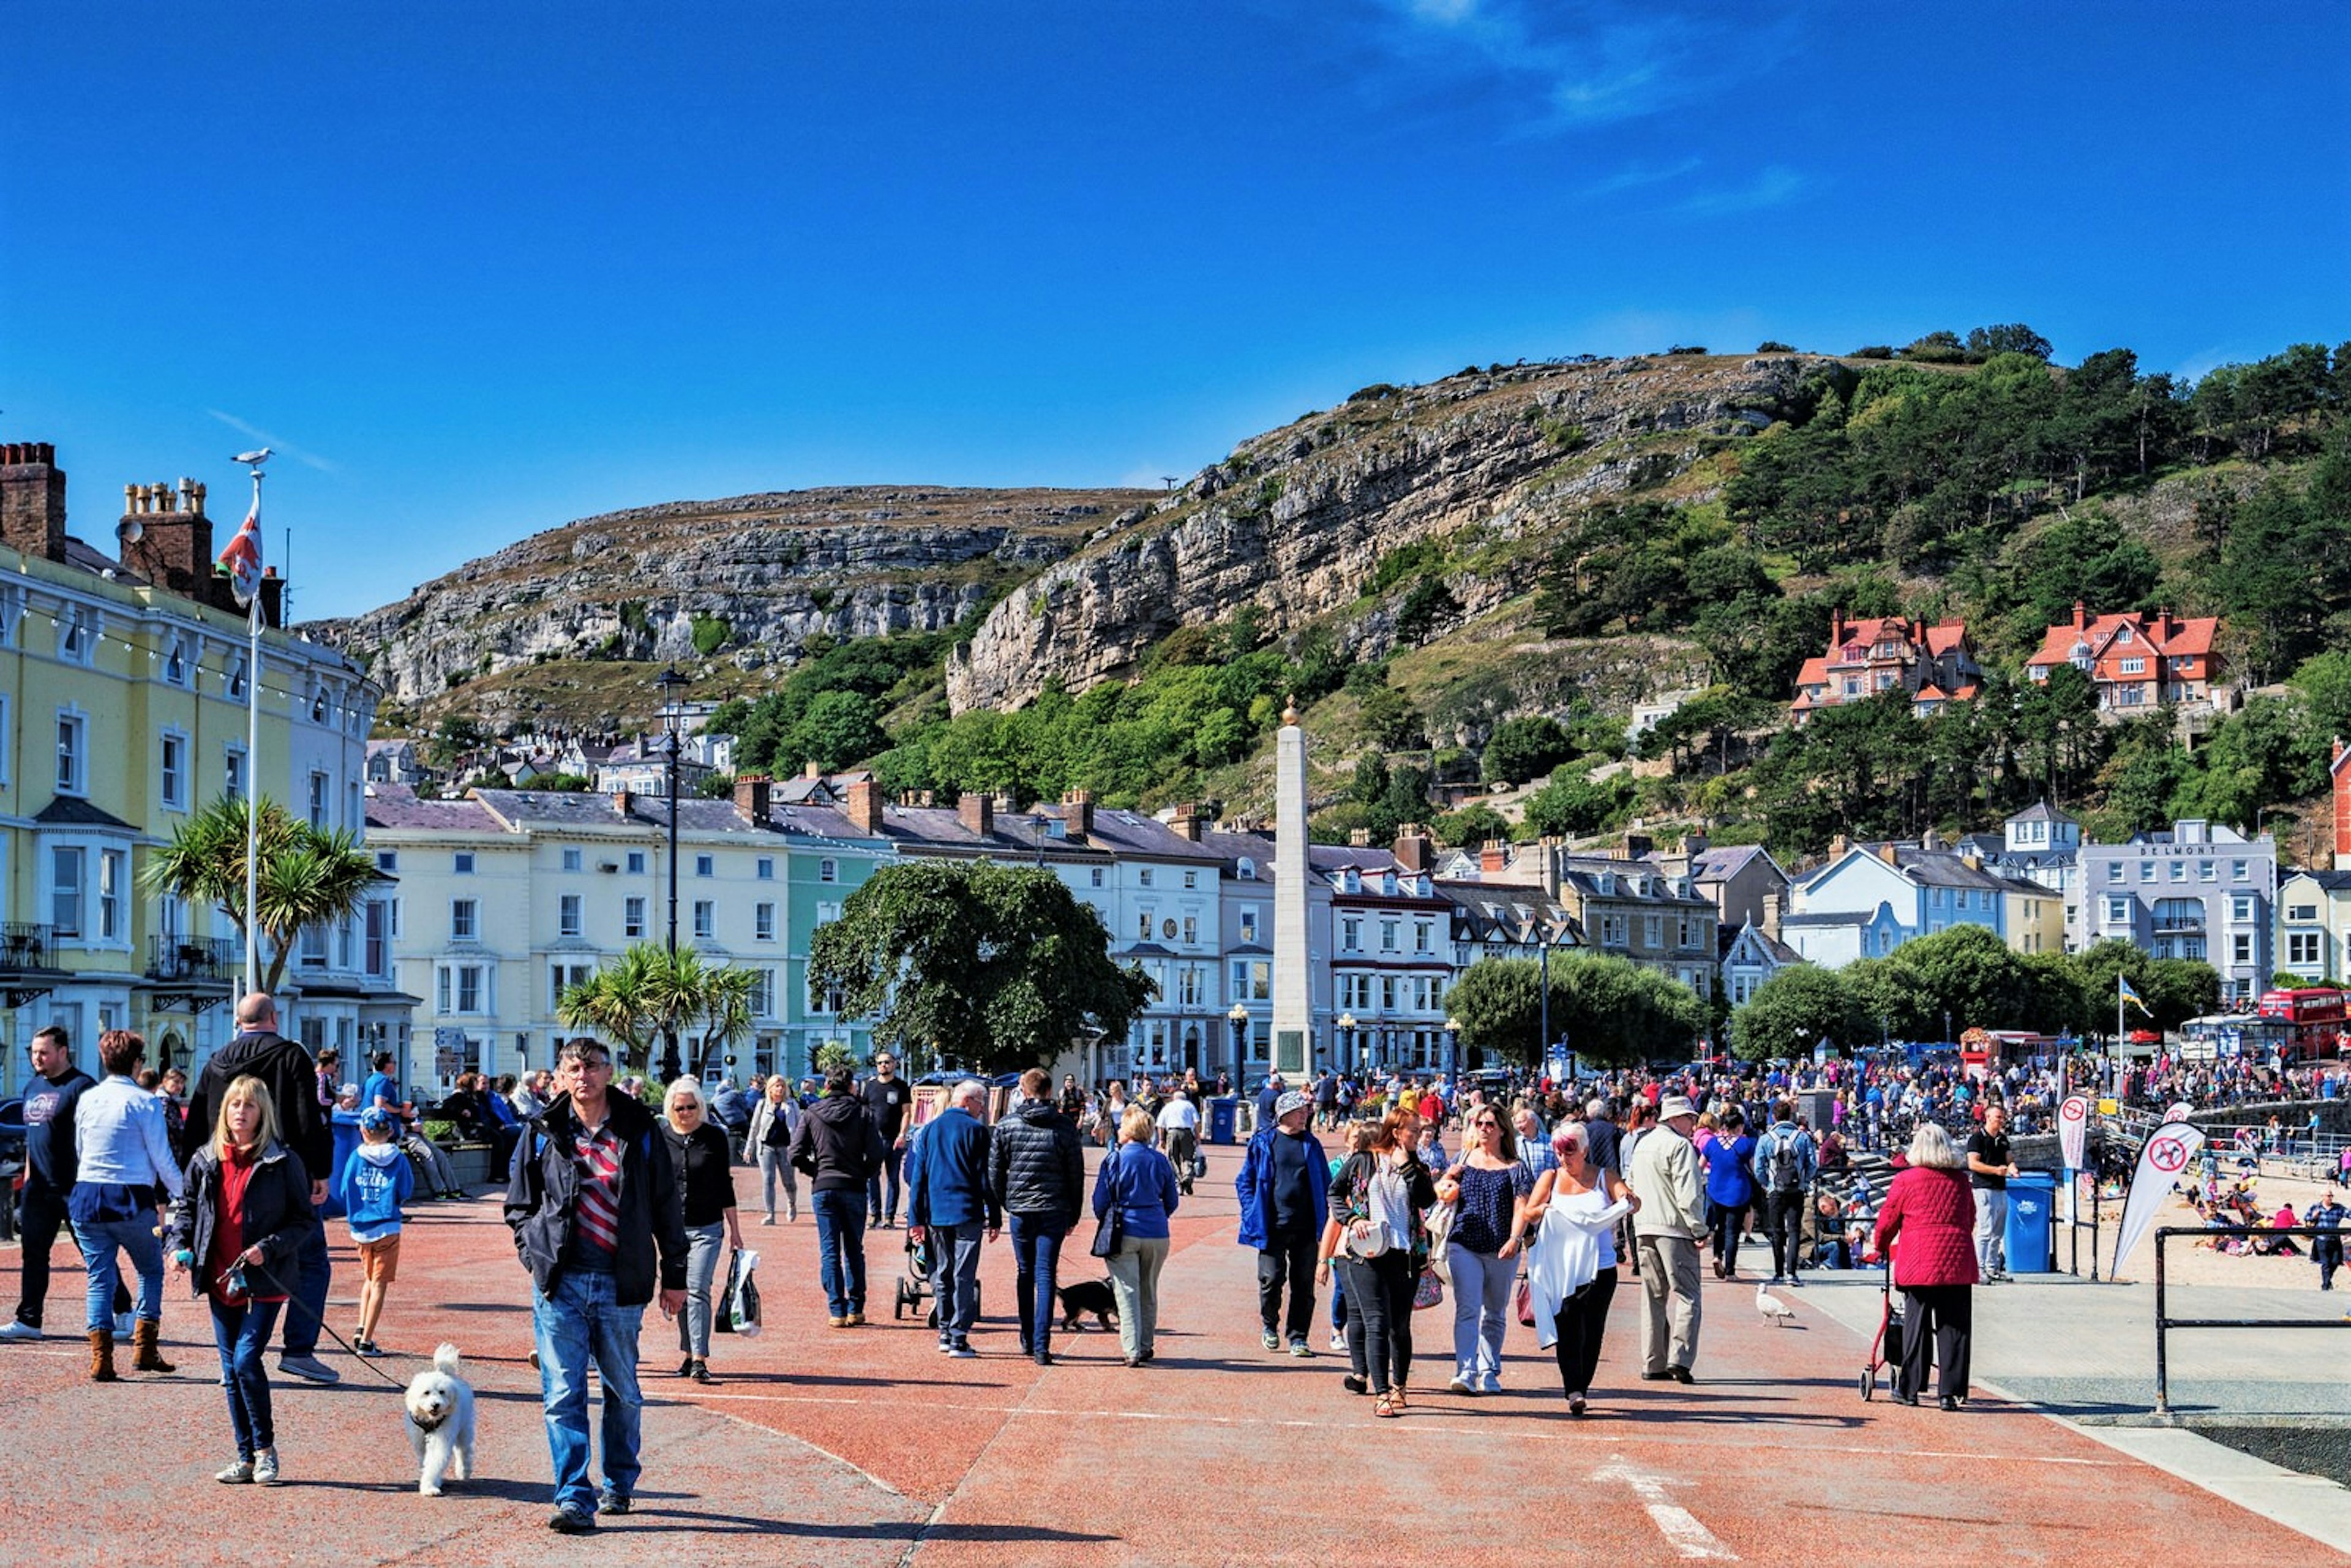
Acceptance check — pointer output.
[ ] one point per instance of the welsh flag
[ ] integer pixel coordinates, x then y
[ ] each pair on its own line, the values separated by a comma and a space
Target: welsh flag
241, 561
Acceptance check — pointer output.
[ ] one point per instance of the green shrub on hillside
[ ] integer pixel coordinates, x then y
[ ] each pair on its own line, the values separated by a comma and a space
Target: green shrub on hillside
711, 633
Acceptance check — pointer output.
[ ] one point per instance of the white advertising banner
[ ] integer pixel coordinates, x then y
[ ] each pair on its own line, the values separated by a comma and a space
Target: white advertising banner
2074, 1131
2162, 1162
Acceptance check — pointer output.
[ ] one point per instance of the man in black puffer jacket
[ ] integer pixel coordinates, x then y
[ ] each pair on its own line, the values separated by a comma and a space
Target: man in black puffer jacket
1037, 1175
838, 1146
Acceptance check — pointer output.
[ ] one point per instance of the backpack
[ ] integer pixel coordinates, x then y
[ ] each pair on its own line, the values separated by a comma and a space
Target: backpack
1783, 1169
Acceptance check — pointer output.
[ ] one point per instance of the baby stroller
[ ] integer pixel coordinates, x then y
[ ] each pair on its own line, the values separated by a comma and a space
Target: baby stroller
1886, 1350
914, 1285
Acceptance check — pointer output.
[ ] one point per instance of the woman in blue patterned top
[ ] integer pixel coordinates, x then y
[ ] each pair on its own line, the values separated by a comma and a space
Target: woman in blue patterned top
1490, 1187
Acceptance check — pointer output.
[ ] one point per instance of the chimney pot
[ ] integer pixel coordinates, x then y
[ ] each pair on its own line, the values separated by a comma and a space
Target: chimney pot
752, 795
1493, 857
976, 812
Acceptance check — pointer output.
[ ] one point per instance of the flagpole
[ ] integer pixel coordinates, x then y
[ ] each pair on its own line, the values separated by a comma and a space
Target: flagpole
253, 769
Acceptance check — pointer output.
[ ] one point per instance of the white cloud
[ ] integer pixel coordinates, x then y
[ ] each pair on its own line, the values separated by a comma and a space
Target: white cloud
1587, 62
279, 444
1771, 186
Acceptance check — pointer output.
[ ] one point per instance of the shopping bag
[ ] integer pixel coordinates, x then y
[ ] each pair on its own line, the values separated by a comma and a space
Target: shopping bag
743, 1293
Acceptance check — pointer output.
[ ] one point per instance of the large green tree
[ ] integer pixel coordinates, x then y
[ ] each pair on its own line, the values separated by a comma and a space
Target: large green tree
1796, 1009
1499, 1004
305, 876
995, 967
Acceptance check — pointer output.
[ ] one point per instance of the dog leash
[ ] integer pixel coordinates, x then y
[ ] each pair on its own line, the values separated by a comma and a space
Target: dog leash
292, 1299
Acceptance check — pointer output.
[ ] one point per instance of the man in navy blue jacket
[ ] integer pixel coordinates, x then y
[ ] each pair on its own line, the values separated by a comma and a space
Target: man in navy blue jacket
1284, 1188
948, 1205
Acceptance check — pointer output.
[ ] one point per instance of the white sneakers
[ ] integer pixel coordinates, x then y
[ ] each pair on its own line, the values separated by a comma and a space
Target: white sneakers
18, 1329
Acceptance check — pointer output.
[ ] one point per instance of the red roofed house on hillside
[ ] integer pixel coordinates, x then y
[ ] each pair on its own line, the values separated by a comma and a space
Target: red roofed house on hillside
1933, 663
2137, 662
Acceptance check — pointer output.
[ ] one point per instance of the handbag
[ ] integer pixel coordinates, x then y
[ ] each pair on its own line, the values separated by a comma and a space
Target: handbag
742, 1299
1522, 1301
1439, 1226
1110, 1231
1428, 1292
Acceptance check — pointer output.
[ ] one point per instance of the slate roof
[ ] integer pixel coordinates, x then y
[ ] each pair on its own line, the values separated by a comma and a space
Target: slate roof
70, 811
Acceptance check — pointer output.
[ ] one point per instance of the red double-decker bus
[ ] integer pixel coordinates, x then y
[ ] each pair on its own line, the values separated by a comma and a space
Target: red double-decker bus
2304, 1024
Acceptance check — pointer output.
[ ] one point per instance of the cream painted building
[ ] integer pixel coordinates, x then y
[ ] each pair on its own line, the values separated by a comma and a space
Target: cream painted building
123, 688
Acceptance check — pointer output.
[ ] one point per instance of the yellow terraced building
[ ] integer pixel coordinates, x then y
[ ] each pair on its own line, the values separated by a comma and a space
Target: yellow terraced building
122, 707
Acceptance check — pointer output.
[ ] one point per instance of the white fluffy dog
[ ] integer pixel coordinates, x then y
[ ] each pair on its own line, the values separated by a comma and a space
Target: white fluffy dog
440, 1410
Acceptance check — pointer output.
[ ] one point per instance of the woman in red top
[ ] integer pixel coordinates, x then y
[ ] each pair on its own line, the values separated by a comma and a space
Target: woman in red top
1929, 1207
243, 1215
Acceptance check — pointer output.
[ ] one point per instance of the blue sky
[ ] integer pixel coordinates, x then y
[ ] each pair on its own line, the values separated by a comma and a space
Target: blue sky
477, 270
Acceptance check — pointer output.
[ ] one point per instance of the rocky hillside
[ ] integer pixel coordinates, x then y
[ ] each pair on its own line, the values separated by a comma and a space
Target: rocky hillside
739, 581
1296, 522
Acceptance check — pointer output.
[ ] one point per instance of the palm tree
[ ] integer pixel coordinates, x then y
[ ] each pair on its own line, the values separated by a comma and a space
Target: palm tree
616, 1001
726, 1009
306, 876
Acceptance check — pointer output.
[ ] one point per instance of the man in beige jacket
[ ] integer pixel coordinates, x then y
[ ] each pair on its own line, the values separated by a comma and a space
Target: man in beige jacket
1665, 1173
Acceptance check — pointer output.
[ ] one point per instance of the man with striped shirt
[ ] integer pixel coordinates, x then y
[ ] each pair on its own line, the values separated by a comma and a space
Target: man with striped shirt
593, 1202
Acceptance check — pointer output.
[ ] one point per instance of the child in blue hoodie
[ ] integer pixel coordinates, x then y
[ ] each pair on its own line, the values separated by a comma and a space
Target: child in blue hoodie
375, 1181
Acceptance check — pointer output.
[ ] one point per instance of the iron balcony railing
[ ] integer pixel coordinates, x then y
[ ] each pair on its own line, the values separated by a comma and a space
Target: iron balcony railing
191, 958
27, 945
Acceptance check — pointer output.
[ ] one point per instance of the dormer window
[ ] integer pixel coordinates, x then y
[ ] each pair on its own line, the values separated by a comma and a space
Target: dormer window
319, 707
1246, 870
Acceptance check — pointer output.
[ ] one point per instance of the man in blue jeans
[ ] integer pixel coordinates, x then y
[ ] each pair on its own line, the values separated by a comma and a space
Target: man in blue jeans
592, 1198
947, 1201
1037, 1176
840, 1148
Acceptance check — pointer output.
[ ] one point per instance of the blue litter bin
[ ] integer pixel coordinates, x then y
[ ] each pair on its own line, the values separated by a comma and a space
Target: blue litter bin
2032, 1208
347, 1138
1224, 1119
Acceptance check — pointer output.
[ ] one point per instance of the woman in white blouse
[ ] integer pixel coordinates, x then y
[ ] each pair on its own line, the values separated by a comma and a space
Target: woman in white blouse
1571, 1257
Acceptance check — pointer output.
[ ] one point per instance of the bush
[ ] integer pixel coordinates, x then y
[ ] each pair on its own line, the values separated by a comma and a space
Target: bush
1685, 349
1559, 434
1873, 352
1773, 346
1371, 394
711, 633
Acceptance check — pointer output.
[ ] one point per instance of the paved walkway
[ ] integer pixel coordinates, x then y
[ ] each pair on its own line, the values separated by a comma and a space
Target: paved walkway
864, 1446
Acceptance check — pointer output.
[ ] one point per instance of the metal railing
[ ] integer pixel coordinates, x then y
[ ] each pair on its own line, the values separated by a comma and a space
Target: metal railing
191, 958
2164, 1322
27, 945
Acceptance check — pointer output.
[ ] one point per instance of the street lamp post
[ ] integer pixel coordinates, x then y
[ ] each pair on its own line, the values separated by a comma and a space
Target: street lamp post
1346, 1022
1038, 822
1240, 1019
1452, 1048
669, 683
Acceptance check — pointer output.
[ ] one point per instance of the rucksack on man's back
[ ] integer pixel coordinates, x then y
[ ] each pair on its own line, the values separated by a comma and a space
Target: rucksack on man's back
1783, 1169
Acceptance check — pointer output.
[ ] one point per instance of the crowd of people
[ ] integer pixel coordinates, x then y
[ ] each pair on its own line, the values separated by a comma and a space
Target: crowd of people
1478, 1200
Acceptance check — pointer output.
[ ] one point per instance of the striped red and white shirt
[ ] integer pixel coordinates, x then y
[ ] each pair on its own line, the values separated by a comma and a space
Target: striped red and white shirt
599, 1211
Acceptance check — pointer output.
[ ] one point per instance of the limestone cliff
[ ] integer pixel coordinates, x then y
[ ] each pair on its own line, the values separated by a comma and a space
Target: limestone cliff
1296, 521
776, 568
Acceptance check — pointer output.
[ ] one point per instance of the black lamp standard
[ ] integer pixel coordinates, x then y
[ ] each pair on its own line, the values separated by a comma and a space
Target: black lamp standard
669, 683
1241, 1018
1346, 1022
1038, 823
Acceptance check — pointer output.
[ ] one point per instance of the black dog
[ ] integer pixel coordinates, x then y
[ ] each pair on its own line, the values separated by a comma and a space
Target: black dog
1087, 1298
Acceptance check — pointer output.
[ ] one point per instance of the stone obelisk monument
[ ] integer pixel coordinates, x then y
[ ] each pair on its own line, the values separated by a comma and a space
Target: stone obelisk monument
1294, 992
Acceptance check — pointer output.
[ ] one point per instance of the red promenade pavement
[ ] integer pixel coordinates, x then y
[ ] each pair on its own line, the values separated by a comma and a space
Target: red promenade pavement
866, 1447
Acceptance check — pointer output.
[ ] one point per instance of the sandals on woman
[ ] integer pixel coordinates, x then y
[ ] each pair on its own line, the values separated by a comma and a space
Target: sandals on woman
1388, 1406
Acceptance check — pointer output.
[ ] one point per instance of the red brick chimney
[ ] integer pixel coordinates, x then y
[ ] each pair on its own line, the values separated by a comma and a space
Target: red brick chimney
165, 538
752, 794
976, 812
1836, 628
621, 799
2081, 618
865, 806
1189, 820
1414, 850
1078, 812
1494, 857
32, 500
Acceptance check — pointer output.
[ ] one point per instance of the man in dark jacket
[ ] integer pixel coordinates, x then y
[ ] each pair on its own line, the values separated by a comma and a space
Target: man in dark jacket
292, 1079
49, 1099
947, 1201
593, 1203
841, 1148
1037, 1176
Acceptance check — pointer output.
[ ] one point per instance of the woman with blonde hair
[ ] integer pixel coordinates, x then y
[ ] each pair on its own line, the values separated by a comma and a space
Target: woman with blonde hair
243, 1216
1931, 1210
1139, 1184
705, 1191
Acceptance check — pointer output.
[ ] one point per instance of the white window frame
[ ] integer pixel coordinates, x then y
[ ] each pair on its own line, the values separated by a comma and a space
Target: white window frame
172, 777
764, 869
73, 756
465, 920
79, 631
633, 916
706, 920
636, 863
828, 870
763, 922
235, 776
461, 862
574, 858
705, 865
571, 915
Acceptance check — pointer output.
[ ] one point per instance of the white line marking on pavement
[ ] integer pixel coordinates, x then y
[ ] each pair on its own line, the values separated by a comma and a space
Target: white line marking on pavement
1677, 1524
1414, 1429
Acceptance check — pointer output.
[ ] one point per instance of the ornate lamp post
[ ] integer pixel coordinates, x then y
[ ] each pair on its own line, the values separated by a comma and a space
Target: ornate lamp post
670, 683
1240, 1020
1346, 1022
1452, 1048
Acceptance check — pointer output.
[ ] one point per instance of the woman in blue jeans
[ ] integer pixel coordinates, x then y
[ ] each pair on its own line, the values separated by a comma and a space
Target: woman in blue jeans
1488, 1186
241, 1219
705, 1165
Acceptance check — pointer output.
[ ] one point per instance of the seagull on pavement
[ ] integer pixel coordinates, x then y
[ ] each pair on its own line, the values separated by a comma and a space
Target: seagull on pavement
1771, 1307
